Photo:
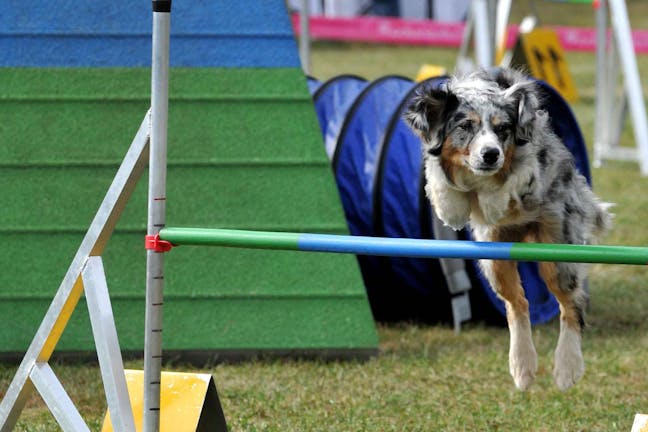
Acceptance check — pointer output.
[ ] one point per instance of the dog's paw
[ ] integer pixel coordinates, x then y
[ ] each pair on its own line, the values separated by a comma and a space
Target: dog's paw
523, 378
451, 206
527, 191
455, 217
523, 360
569, 365
457, 222
530, 200
523, 364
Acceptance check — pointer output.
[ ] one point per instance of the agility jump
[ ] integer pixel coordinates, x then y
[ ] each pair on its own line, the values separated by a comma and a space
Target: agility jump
400, 247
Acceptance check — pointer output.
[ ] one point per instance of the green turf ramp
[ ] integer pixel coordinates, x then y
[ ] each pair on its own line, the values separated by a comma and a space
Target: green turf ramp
245, 151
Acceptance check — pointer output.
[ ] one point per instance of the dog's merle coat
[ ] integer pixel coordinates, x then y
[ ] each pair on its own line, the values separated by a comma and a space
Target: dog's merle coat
492, 159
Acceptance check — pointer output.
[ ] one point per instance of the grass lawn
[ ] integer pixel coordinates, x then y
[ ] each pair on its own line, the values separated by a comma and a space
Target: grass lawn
428, 378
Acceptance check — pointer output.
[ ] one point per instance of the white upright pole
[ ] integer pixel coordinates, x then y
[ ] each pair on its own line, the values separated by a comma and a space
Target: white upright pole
634, 92
502, 15
483, 35
156, 214
304, 36
601, 135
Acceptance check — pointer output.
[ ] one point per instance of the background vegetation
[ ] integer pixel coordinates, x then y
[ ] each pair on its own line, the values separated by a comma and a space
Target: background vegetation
428, 378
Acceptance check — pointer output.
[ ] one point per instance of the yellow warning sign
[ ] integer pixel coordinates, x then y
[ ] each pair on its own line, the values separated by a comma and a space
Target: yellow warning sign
541, 52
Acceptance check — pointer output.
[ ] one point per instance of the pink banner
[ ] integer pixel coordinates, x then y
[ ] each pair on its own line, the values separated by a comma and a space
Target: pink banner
384, 30
434, 33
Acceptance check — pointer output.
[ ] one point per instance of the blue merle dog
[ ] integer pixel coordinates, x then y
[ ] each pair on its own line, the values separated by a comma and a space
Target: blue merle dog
492, 160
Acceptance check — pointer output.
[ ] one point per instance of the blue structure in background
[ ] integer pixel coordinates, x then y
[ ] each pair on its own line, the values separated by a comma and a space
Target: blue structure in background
355, 158
118, 34
334, 98
401, 208
357, 152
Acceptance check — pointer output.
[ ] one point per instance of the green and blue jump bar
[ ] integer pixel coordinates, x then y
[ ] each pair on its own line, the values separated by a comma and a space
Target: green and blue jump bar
398, 247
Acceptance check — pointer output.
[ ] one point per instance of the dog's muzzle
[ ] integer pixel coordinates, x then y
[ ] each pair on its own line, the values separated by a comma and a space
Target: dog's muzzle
489, 161
490, 156
486, 155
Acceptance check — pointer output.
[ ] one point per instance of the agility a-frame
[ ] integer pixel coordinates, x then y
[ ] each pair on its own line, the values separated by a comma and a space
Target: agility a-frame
86, 274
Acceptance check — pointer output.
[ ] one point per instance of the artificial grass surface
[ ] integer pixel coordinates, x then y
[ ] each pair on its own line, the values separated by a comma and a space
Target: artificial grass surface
91, 115
211, 327
295, 196
245, 151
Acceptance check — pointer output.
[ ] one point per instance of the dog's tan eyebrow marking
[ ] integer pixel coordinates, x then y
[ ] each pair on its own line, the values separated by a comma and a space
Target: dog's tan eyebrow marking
497, 120
470, 119
474, 117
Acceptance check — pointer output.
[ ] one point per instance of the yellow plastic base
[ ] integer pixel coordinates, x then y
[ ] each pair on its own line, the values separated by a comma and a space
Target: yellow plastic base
640, 423
183, 399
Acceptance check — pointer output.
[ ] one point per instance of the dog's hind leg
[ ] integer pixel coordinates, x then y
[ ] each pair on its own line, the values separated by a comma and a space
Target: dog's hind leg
564, 281
505, 280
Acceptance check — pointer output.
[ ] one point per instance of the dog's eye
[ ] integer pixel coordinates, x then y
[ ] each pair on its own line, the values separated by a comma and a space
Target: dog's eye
501, 129
466, 125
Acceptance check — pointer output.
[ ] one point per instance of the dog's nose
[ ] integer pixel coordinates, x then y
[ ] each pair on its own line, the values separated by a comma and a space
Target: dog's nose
490, 155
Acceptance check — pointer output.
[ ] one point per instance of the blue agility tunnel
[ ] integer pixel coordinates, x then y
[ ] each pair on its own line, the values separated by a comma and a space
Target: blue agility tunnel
401, 209
333, 100
378, 168
313, 84
355, 156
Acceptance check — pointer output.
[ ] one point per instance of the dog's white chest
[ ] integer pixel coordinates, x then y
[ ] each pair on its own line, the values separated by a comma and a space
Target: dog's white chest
499, 208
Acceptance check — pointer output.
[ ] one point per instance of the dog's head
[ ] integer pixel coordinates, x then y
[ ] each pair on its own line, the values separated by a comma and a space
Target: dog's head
475, 124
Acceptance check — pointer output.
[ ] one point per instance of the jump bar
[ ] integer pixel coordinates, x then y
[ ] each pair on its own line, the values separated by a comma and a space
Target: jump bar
405, 247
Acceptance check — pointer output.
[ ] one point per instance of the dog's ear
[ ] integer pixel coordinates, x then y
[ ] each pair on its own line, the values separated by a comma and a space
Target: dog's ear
522, 95
426, 111
505, 78
527, 107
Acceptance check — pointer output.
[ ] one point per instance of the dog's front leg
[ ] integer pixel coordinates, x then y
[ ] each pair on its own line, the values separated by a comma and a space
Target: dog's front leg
451, 206
565, 282
505, 280
527, 188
